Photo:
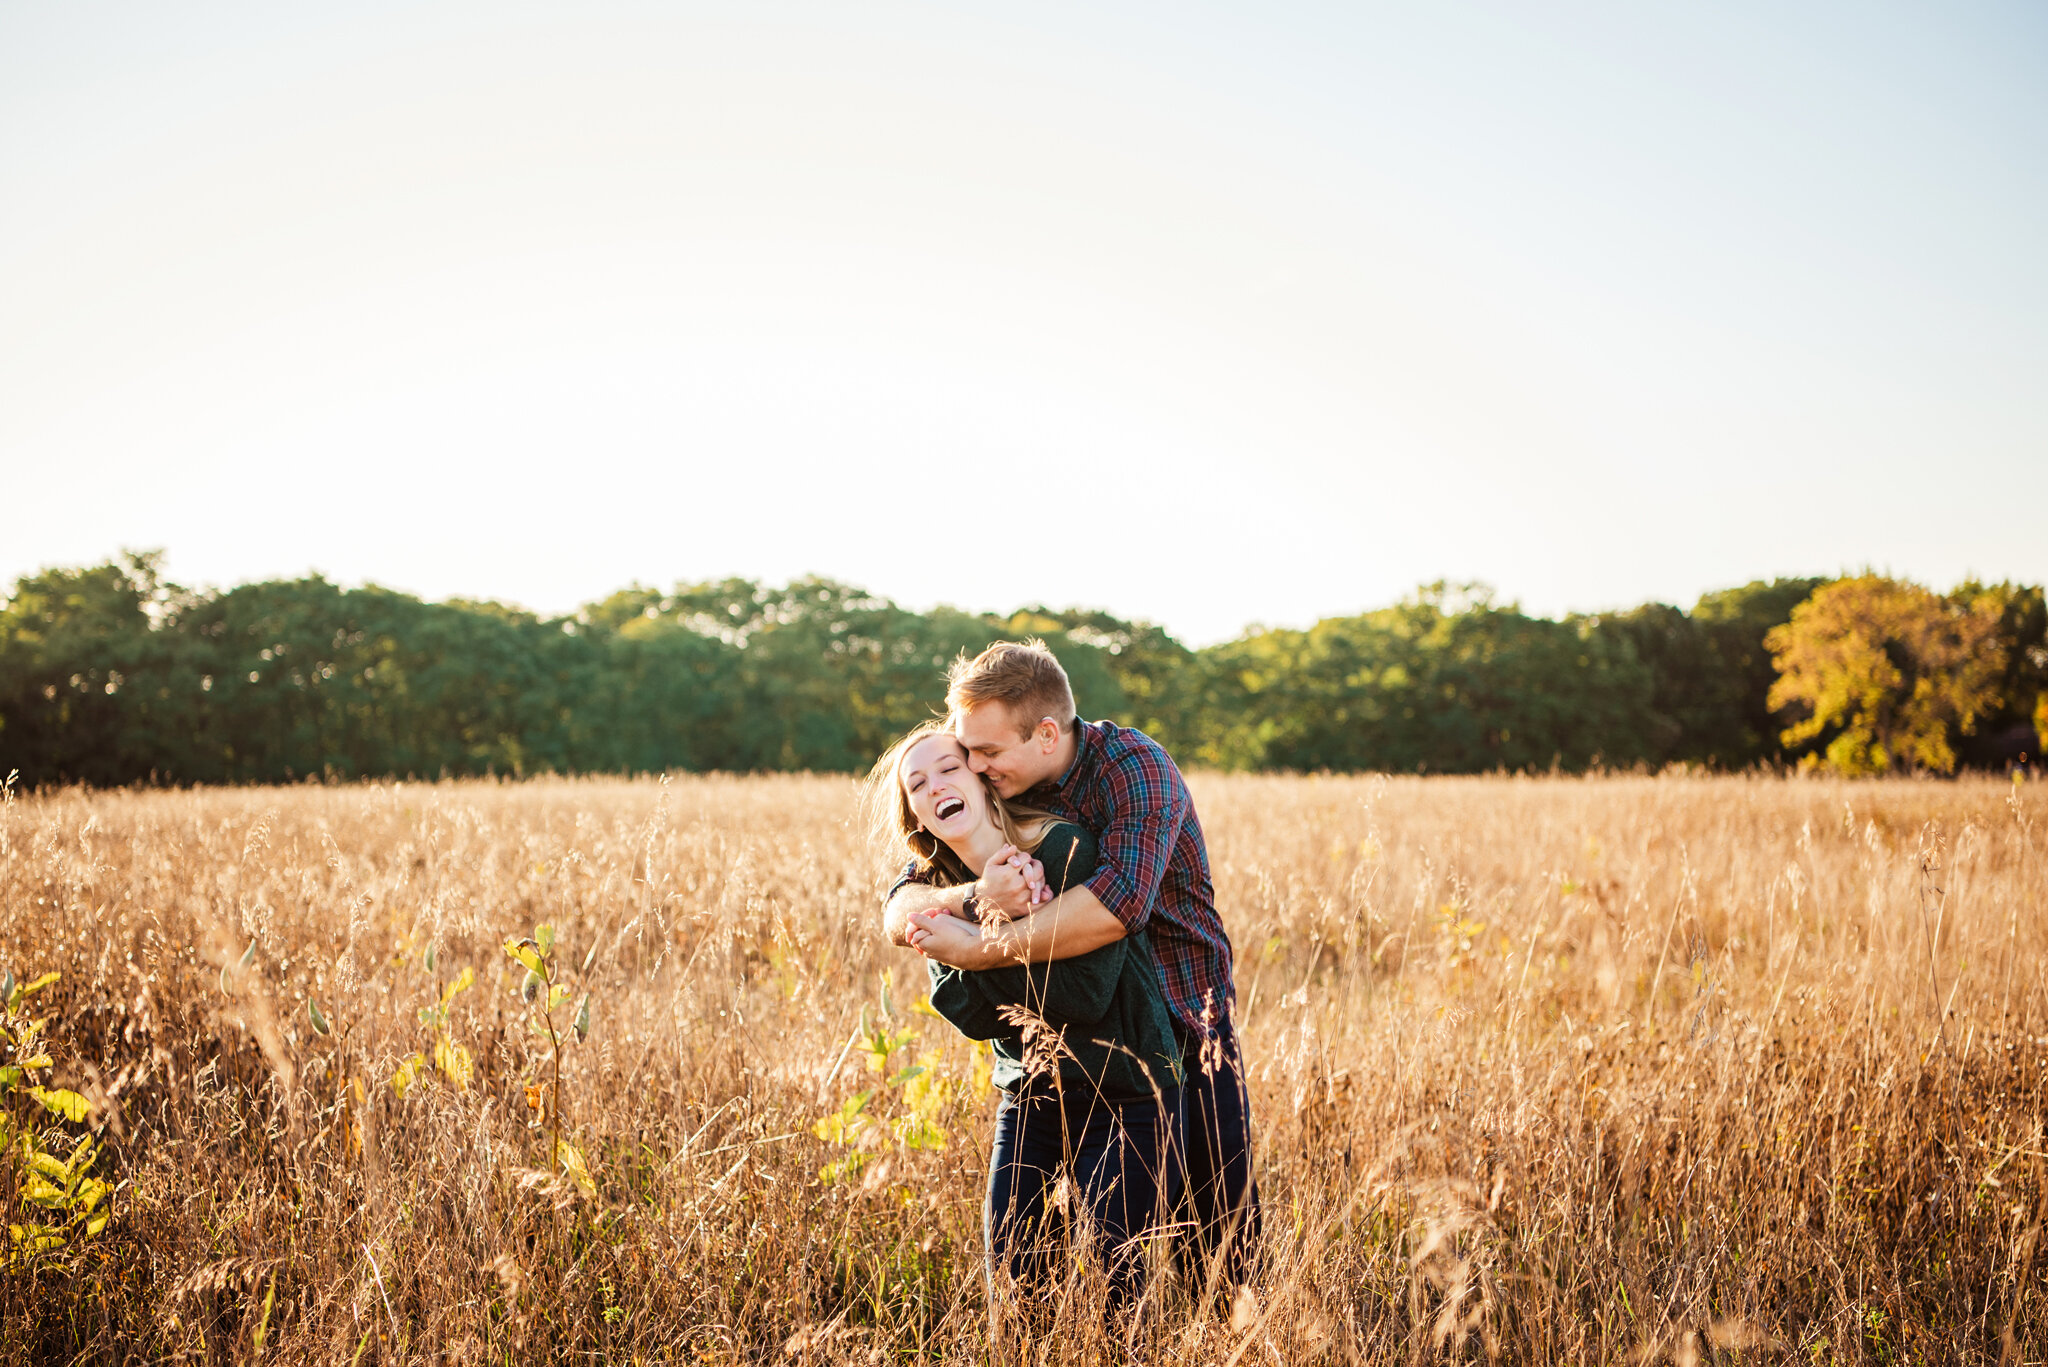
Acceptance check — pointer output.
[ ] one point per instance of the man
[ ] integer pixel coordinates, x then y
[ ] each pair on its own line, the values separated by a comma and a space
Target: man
1013, 710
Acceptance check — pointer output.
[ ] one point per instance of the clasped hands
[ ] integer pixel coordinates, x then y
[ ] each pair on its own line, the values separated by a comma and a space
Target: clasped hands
1012, 886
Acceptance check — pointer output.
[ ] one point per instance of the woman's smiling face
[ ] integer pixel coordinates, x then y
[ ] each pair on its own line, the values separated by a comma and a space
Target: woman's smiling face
945, 795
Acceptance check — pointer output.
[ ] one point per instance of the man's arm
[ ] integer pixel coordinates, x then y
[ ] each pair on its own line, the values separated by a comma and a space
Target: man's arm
1149, 802
1011, 885
1072, 923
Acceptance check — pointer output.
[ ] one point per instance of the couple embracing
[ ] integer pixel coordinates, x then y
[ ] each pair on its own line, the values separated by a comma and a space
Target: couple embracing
1059, 888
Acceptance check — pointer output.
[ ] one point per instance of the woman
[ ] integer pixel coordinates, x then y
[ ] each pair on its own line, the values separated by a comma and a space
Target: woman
1084, 1048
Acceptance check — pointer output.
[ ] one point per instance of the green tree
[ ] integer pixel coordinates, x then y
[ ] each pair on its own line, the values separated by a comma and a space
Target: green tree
1444, 682
1888, 673
90, 689
1711, 672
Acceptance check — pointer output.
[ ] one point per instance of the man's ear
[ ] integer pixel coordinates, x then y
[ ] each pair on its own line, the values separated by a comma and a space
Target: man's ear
1047, 734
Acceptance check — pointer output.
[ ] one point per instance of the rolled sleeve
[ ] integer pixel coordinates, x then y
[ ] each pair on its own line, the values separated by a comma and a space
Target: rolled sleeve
912, 876
1150, 803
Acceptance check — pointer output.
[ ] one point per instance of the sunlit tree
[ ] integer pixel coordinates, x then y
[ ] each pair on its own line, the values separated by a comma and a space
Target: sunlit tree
1889, 673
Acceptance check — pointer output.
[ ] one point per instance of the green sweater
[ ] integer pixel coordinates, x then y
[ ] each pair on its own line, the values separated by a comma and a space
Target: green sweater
1106, 1007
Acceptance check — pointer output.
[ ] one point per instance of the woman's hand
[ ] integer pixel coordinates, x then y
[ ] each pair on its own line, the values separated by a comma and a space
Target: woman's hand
948, 939
1012, 885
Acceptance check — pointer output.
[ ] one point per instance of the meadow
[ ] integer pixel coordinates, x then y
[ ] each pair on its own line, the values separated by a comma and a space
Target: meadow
1548, 1069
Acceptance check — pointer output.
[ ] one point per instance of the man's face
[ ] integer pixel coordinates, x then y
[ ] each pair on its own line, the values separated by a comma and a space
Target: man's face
999, 747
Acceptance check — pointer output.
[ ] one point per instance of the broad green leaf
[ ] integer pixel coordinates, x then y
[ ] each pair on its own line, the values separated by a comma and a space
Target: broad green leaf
557, 994
50, 1166
544, 936
70, 1105
429, 961
918, 1132
10, 1078
529, 986
923, 1007
914, 1070
320, 1025
844, 1169
583, 1019
29, 989
39, 1061
248, 955
840, 1126
98, 1223
888, 1007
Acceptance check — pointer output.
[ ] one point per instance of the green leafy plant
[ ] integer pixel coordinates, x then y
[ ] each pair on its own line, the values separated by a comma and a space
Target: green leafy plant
64, 1202
452, 1059
903, 1110
544, 996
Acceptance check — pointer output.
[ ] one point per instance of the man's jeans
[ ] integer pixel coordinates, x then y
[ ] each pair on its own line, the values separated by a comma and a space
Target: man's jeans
1216, 1146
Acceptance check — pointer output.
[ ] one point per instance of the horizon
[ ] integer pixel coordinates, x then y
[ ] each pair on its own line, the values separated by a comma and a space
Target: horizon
1468, 591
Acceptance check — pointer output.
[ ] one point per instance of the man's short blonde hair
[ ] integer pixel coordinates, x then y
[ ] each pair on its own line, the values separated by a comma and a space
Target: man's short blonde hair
1023, 676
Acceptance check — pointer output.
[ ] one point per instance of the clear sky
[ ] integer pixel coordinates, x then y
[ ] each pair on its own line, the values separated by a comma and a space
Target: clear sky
1206, 314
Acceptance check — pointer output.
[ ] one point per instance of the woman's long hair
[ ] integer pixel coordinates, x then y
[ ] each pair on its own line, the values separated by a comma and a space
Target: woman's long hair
893, 828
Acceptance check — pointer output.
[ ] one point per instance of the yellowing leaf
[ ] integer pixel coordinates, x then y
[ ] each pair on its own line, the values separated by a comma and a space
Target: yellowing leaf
29, 989
407, 1074
70, 1105
464, 980
42, 1190
454, 1062
573, 1165
527, 952
35, 1238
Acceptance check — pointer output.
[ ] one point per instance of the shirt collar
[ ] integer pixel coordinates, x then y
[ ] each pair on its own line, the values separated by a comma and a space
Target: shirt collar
1085, 741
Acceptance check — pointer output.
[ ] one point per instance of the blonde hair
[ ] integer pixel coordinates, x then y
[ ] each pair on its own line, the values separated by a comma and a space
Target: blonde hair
1024, 676
892, 825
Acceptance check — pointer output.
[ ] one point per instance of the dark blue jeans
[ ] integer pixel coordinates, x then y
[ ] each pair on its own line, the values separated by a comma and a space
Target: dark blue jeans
1222, 1199
1118, 1158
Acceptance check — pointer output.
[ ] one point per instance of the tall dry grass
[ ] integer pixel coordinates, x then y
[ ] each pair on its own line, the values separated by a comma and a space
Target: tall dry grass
1545, 1070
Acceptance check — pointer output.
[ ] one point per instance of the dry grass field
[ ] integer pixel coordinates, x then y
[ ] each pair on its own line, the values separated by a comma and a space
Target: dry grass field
1546, 1070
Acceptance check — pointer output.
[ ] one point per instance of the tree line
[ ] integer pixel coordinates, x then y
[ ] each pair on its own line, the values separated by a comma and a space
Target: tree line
111, 674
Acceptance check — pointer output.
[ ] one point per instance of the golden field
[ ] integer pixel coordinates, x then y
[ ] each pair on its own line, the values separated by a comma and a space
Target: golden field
1545, 1070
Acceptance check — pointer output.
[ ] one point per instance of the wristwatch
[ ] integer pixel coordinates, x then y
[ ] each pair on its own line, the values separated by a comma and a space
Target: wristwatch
970, 902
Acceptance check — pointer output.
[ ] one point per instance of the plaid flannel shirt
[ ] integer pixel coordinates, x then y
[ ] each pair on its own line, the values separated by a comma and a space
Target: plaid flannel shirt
1153, 873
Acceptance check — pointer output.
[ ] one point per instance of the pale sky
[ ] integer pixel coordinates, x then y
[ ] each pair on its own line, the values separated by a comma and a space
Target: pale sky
1208, 315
